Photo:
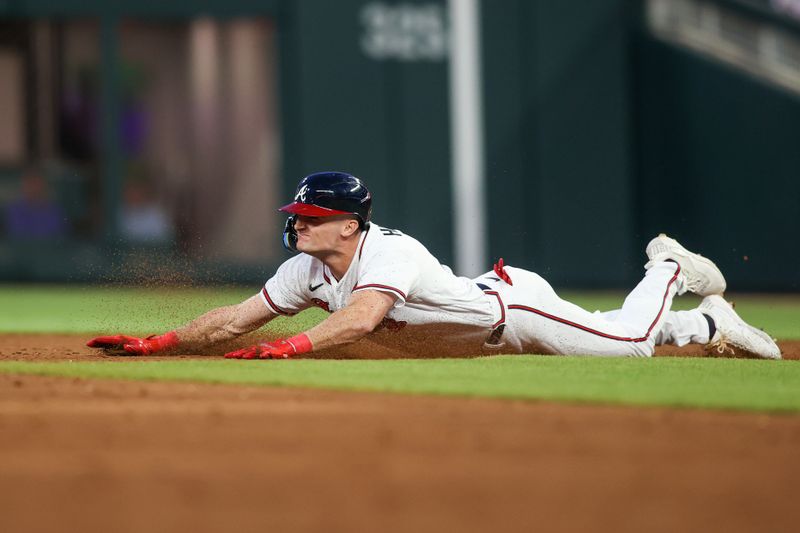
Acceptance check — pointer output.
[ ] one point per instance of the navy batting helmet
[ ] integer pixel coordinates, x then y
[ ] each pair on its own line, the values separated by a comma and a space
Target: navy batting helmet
325, 194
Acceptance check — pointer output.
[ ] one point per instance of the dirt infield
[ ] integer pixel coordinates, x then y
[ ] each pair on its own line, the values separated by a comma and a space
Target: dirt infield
92, 456
47, 347
79, 455
87, 456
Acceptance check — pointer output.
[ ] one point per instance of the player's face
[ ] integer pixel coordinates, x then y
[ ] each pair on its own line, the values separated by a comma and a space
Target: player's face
319, 234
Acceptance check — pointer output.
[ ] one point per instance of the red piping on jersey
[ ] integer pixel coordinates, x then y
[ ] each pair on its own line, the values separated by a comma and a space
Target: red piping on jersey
600, 333
272, 304
379, 286
502, 308
325, 276
361, 248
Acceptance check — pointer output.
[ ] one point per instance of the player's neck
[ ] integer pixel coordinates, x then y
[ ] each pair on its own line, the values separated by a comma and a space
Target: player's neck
339, 260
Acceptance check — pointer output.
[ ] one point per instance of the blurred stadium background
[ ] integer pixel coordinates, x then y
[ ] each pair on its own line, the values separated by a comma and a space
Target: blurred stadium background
143, 140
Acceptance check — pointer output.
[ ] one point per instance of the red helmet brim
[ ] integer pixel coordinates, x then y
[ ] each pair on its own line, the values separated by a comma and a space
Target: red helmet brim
308, 210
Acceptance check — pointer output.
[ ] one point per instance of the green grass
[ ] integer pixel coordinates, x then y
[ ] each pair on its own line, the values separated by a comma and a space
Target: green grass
71, 309
136, 311
708, 383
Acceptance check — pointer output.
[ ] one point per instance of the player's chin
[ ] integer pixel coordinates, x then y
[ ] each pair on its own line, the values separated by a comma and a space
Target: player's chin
303, 244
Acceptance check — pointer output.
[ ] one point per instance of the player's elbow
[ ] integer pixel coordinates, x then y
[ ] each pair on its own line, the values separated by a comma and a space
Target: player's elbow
364, 326
367, 312
360, 329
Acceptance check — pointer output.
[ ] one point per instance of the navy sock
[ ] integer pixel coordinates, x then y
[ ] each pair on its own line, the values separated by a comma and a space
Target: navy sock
712, 327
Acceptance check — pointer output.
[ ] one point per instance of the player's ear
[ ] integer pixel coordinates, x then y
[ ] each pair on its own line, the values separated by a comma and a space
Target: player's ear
350, 227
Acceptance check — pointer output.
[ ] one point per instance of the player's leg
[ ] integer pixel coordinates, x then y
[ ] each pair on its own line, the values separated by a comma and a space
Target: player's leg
679, 327
697, 274
539, 320
716, 325
564, 328
685, 327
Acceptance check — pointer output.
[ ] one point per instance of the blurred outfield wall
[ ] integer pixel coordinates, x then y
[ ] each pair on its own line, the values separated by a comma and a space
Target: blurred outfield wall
599, 134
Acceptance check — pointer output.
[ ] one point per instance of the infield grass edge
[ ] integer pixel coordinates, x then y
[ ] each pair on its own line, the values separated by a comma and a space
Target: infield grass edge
731, 384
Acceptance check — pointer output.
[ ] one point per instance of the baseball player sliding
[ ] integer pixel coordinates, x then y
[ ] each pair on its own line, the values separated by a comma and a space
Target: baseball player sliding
381, 284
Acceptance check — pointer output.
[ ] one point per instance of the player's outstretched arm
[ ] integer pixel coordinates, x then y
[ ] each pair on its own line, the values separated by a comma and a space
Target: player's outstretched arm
360, 317
226, 323
218, 325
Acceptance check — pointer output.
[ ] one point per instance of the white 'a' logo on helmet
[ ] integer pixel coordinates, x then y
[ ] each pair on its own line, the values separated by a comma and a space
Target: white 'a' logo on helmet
301, 193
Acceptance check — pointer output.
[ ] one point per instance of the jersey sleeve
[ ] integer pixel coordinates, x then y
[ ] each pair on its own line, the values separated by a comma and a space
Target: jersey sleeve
284, 293
394, 273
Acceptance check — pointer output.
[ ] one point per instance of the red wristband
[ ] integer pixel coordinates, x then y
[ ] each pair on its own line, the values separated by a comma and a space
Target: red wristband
301, 343
163, 342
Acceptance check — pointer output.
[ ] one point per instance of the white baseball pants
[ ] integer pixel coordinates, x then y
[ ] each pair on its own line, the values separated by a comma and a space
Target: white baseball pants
538, 321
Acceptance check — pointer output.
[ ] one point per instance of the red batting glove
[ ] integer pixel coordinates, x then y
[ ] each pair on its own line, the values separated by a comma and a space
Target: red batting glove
500, 270
124, 344
279, 349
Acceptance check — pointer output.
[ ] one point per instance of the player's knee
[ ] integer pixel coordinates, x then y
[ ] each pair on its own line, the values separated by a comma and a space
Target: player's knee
646, 349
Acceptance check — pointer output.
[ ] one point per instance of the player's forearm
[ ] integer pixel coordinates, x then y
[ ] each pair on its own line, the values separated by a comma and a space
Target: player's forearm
218, 325
342, 327
359, 318
207, 329
364, 311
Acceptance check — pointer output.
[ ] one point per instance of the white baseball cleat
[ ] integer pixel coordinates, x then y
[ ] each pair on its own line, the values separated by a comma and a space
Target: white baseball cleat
734, 333
700, 275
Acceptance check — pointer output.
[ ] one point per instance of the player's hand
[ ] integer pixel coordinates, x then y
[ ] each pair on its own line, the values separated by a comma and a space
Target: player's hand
127, 345
279, 349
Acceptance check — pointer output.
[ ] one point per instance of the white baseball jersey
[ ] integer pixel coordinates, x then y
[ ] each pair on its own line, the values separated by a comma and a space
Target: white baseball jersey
434, 309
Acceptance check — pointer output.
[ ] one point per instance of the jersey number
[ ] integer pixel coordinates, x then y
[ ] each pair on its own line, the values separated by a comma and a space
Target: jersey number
391, 232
